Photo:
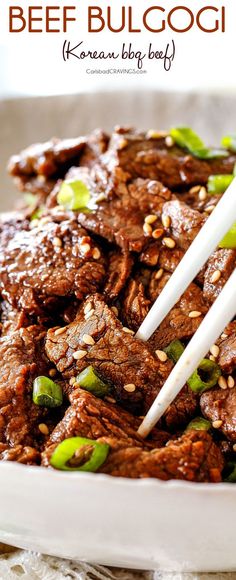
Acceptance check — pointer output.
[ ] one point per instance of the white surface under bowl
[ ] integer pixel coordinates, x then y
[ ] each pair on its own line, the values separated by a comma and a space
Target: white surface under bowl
142, 524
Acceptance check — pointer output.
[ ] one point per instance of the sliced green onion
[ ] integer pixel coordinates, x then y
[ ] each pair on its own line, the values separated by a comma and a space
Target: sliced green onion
198, 424
73, 195
205, 376
185, 137
174, 350
219, 183
79, 454
231, 472
46, 393
229, 240
89, 380
229, 142
37, 213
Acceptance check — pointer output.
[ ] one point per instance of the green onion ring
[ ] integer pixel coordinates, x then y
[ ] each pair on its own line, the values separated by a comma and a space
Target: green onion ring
90, 381
74, 195
198, 424
66, 452
46, 393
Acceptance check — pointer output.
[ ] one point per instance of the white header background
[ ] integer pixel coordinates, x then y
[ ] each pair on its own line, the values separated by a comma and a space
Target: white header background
31, 64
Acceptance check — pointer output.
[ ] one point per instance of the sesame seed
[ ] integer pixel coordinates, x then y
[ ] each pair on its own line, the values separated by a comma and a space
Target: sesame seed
194, 314
41, 178
152, 134
43, 428
130, 388
59, 331
90, 313
211, 357
166, 221
215, 350
230, 382
169, 243
110, 400
209, 209
157, 233
222, 383
45, 220
234, 447
78, 354
57, 242
217, 424
215, 276
161, 355
87, 339
72, 381
85, 248
52, 372
195, 189
115, 310
96, 254
169, 141
122, 143
58, 208
159, 274
202, 194
87, 307
34, 224
150, 219
223, 335
100, 197
147, 229
128, 330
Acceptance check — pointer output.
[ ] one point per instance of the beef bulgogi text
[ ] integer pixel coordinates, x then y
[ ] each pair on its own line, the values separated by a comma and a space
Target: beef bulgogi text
101, 225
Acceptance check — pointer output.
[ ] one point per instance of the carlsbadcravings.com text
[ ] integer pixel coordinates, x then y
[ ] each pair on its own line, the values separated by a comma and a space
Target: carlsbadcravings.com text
128, 53
155, 19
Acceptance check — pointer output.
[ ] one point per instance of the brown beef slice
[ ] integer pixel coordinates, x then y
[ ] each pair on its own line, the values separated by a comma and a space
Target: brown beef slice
90, 417
120, 359
147, 157
119, 214
37, 168
27, 455
116, 355
36, 274
119, 268
182, 410
178, 324
185, 222
227, 345
220, 405
135, 305
22, 359
192, 457
223, 260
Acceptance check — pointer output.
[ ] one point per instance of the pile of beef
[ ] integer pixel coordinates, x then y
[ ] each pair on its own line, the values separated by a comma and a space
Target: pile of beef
75, 286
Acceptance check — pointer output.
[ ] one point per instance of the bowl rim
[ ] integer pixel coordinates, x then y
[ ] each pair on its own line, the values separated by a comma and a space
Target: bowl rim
46, 474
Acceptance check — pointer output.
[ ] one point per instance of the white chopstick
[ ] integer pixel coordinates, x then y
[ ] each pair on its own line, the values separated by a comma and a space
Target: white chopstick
219, 315
219, 222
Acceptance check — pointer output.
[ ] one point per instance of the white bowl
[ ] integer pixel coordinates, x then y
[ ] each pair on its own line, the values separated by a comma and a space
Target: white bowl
142, 524
138, 524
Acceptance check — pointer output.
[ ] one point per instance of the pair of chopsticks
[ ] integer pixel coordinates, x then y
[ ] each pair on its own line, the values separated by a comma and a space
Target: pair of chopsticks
215, 321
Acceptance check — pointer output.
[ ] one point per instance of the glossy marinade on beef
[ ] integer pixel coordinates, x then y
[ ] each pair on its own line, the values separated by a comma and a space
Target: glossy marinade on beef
22, 359
77, 283
192, 457
42, 265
